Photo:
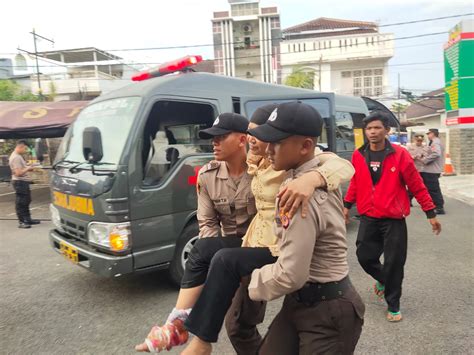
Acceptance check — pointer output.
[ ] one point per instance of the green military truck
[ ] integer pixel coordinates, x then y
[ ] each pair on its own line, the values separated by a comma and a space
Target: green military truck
123, 182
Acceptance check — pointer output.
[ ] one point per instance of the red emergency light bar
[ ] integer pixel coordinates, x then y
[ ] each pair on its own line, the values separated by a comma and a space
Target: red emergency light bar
169, 67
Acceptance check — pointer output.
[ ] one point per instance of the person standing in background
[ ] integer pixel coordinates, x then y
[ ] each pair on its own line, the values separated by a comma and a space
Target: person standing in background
21, 183
433, 167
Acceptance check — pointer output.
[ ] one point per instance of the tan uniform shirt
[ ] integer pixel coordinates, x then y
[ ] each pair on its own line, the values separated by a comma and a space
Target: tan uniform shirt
312, 249
418, 153
266, 183
16, 161
223, 207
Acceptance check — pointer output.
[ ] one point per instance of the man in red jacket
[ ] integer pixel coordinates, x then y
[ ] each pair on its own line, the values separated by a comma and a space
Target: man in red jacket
383, 172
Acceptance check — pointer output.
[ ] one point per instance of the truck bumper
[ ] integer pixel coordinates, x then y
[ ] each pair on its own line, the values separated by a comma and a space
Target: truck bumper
96, 262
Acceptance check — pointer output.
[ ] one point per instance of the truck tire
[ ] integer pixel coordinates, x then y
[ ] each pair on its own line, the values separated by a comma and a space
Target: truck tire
183, 246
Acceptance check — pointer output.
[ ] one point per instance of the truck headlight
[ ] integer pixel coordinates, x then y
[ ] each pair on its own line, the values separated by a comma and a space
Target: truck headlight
115, 236
55, 217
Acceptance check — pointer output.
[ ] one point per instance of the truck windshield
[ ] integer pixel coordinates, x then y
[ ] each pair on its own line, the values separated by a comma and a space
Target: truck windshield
113, 118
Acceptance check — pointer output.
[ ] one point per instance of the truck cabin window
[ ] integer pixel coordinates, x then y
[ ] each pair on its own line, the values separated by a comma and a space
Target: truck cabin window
345, 124
171, 133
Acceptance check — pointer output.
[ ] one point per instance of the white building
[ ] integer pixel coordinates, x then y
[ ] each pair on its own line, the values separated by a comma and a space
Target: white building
82, 74
346, 57
246, 41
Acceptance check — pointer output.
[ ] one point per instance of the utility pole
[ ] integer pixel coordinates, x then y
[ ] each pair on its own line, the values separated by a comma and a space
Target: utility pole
35, 36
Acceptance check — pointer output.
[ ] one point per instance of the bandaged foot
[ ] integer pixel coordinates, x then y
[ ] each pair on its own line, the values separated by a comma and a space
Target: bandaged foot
165, 337
182, 314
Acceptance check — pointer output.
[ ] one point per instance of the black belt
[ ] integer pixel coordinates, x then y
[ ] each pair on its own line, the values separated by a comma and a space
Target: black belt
312, 293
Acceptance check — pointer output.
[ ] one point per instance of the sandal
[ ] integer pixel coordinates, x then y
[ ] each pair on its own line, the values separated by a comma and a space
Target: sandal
394, 316
379, 290
167, 336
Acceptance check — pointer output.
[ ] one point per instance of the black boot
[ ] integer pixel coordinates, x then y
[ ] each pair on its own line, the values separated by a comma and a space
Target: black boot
32, 221
24, 225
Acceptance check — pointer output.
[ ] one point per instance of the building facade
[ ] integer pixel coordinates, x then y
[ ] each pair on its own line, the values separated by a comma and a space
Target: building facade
82, 74
345, 57
247, 41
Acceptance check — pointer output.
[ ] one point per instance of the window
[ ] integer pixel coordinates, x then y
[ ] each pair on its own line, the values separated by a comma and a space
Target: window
357, 82
114, 119
367, 72
314, 46
275, 22
378, 71
304, 47
378, 91
247, 42
171, 132
346, 74
344, 132
368, 92
357, 92
357, 73
294, 47
367, 81
216, 27
329, 42
378, 81
299, 47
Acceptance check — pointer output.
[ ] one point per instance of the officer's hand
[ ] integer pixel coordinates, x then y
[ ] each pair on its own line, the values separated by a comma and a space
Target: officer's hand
30, 168
346, 215
435, 225
297, 193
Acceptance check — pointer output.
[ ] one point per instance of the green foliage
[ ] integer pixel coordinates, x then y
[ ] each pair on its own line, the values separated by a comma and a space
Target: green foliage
11, 91
301, 79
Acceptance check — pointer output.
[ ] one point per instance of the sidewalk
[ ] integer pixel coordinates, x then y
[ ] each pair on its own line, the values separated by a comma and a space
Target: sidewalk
460, 187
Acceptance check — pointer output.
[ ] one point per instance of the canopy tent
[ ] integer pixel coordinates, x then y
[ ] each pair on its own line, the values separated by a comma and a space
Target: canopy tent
37, 119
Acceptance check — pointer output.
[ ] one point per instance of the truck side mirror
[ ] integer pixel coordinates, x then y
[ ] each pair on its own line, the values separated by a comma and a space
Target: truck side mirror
40, 149
92, 145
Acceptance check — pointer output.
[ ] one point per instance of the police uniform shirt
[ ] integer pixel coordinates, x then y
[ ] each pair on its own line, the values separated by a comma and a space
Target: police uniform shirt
225, 205
312, 249
16, 161
418, 153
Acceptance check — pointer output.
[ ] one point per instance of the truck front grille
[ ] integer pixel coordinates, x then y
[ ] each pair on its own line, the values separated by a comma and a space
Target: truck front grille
73, 229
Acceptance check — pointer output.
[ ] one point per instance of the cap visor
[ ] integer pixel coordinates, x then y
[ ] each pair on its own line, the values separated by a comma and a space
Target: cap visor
211, 132
267, 133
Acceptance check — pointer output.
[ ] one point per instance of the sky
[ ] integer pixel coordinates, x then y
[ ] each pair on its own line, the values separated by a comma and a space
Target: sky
113, 25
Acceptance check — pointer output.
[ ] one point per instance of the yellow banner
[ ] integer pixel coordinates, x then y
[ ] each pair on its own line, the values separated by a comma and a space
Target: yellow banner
74, 203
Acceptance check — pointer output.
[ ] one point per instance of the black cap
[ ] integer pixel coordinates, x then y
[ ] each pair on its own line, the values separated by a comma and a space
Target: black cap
433, 130
261, 114
225, 123
290, 119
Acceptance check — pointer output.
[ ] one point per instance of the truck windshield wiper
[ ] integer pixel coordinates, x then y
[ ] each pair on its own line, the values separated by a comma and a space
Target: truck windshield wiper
76, 168
62, 161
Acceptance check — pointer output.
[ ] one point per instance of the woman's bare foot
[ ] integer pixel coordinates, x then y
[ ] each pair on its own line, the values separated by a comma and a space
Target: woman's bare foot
197, 347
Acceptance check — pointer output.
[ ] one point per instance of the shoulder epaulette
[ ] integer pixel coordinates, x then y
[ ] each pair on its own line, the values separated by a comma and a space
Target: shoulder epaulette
212, 165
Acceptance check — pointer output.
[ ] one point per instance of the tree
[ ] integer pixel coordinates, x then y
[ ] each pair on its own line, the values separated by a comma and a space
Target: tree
11, 91
301, 79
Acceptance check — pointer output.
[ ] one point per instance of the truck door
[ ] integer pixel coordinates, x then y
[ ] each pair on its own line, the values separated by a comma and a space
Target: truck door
167, 160
322, 102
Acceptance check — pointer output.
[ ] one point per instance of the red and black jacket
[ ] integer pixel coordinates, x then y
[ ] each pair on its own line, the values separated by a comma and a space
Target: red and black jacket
389, 197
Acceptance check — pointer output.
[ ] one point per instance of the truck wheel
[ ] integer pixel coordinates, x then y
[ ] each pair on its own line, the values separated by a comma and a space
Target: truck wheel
183, 246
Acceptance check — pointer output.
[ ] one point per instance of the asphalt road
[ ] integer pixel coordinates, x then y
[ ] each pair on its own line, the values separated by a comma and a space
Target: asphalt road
50, 306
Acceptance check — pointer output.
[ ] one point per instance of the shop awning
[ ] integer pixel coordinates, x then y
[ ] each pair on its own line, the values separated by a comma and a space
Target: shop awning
37, 119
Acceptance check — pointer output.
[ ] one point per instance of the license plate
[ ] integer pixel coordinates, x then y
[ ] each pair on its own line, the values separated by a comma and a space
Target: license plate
69, 252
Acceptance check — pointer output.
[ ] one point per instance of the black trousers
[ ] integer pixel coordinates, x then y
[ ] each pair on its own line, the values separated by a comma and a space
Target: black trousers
387, 236
227, 269
200, 256
431, 181
23, 199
